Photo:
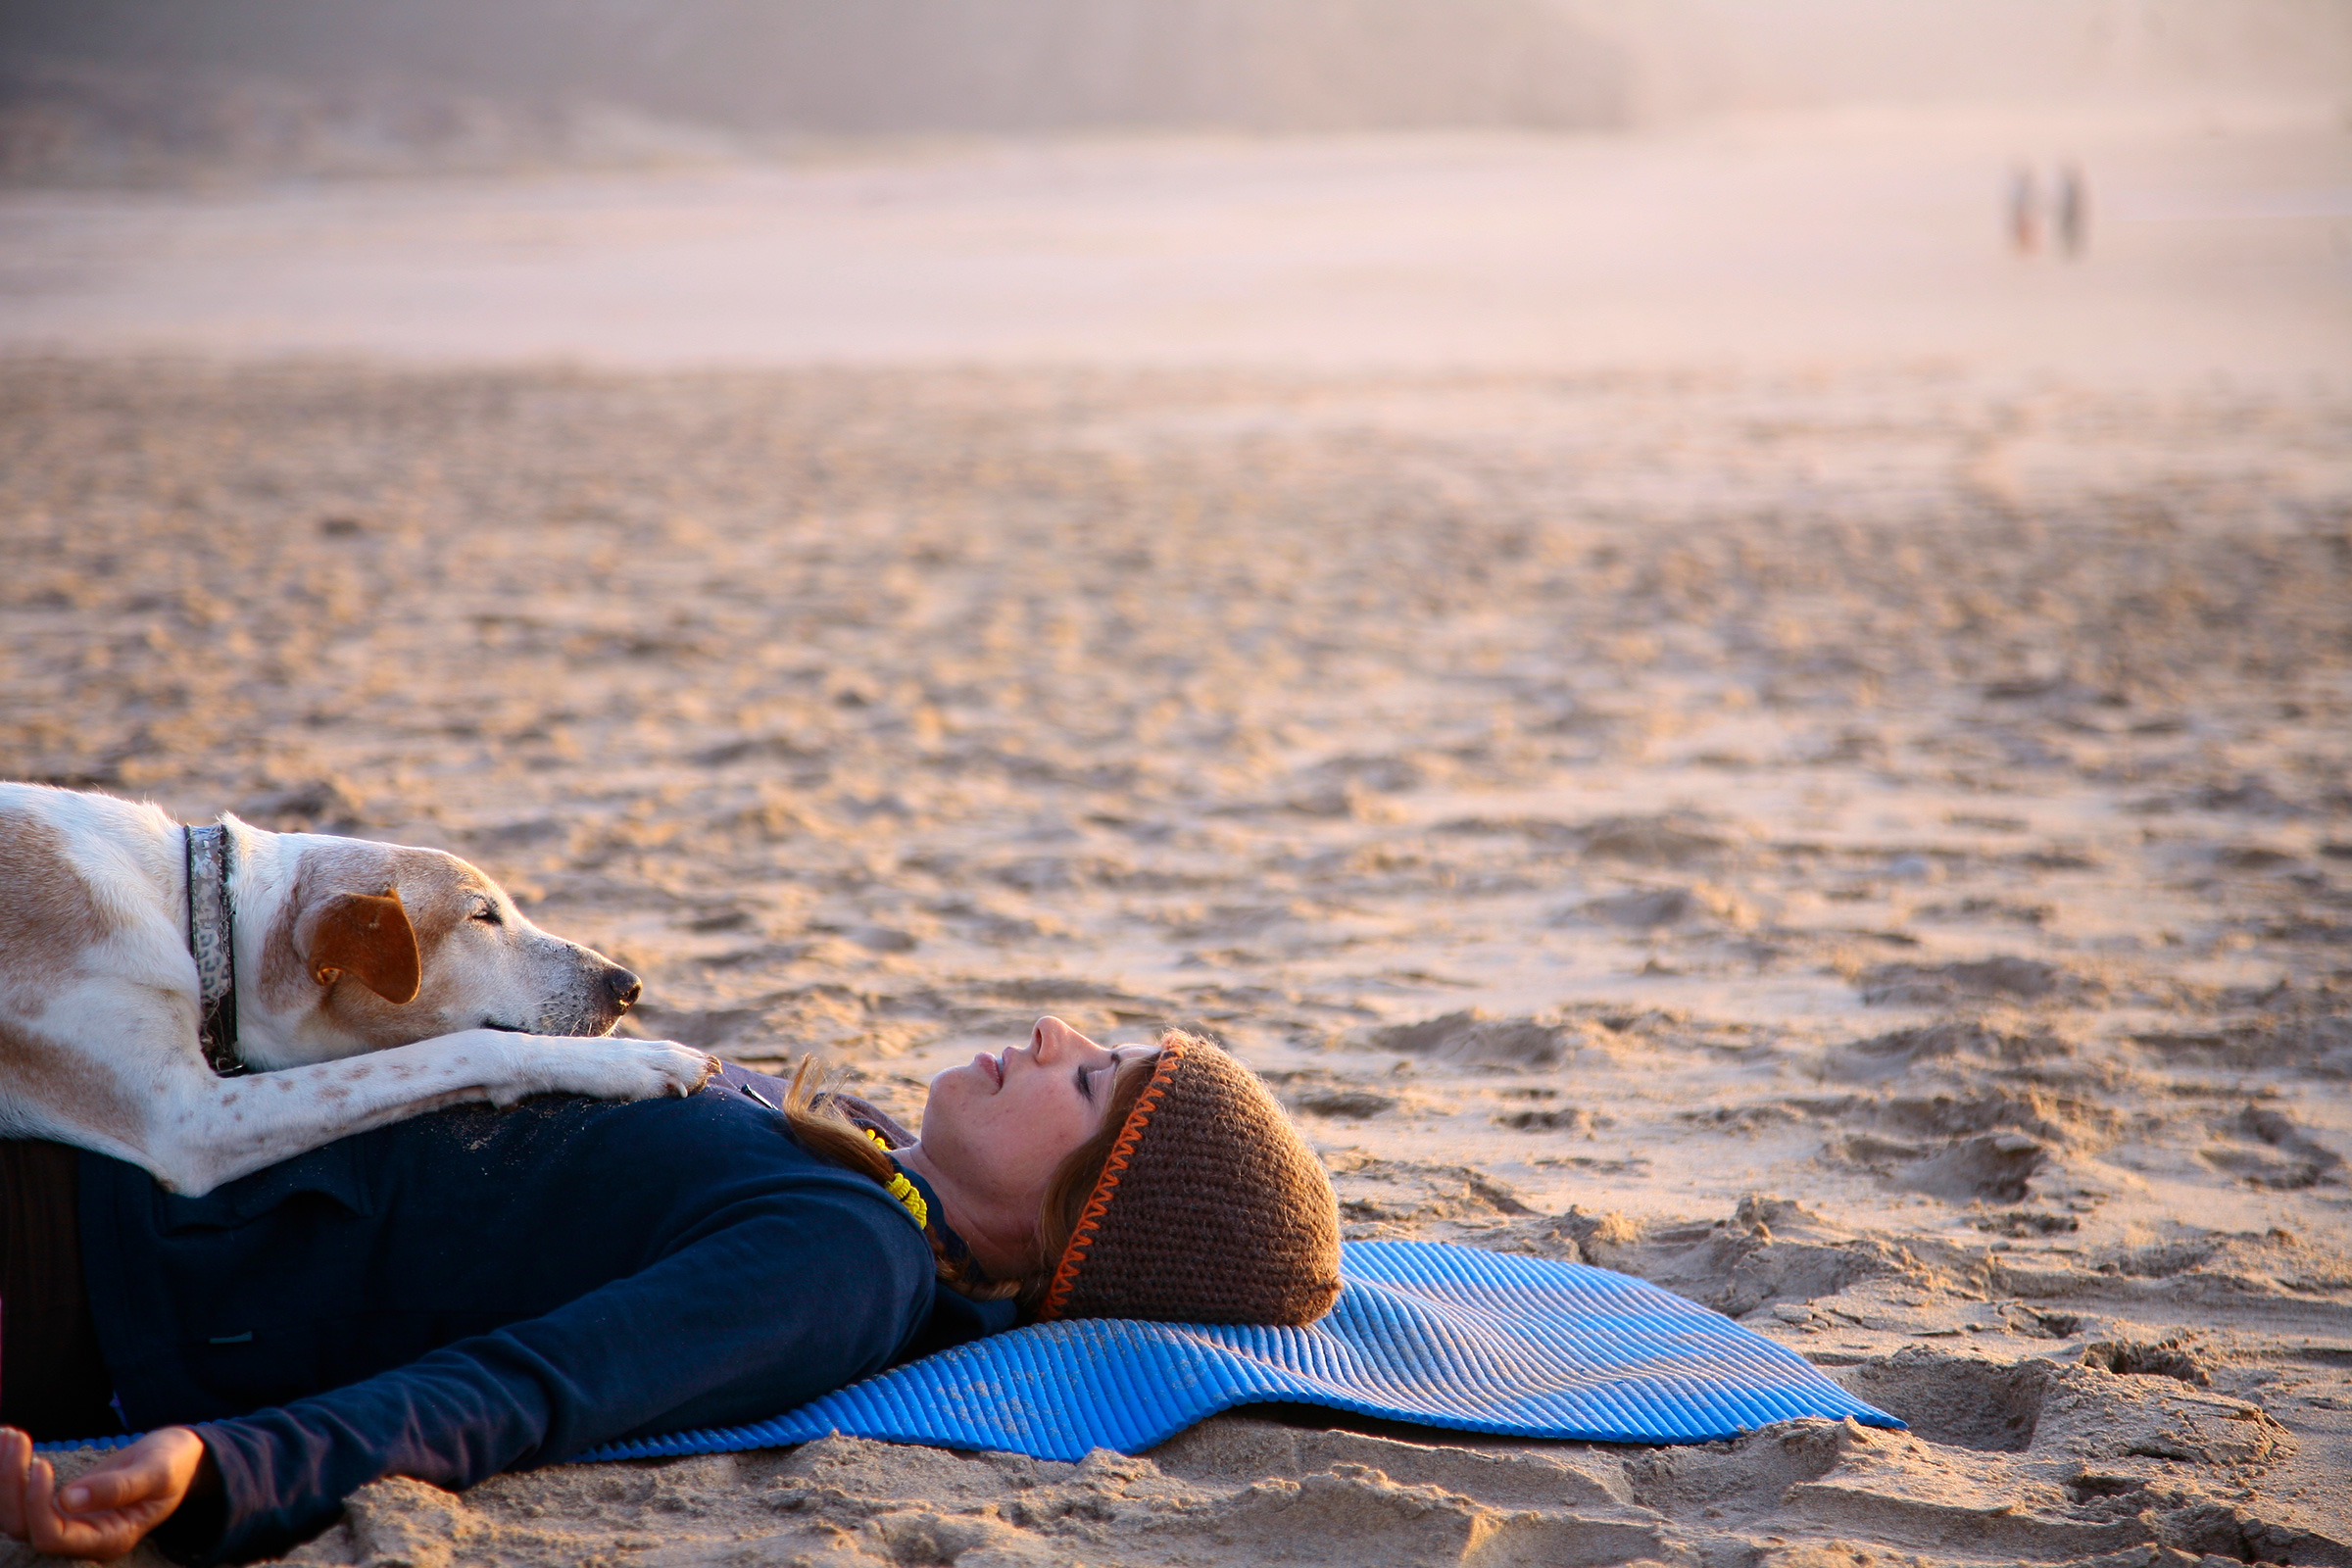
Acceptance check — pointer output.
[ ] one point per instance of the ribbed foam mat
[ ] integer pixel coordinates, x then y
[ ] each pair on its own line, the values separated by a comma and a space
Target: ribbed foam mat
1423, 1332
1443, 1336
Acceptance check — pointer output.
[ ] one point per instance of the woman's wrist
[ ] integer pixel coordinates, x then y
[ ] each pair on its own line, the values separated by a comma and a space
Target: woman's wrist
202, 1517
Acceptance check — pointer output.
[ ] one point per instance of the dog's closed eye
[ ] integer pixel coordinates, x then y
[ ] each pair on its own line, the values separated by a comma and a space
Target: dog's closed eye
487, 913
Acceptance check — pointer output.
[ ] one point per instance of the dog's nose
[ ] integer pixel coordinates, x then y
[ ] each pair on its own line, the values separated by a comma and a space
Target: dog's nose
623, 987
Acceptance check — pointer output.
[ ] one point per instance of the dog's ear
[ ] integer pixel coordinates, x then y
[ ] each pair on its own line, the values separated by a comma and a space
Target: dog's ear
368, 936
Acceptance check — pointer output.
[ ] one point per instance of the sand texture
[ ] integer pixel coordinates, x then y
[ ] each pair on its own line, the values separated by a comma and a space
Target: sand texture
1872, 853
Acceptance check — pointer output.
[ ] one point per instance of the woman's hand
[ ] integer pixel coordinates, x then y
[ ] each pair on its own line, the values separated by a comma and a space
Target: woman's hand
101, 1513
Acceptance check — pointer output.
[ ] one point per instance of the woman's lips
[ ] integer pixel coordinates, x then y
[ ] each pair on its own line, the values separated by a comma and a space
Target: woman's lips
992, 1066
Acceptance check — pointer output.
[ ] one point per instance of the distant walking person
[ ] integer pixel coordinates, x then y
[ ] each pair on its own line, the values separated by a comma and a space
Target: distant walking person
2073, 218
2025, 211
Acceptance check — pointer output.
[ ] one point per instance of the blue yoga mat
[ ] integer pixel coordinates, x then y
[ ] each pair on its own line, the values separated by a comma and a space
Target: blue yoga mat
1427, 1333
1423, 1332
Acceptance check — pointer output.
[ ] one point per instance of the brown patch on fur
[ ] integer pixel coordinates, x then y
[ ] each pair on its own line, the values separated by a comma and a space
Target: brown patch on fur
437, 893
440, 894
367, 936
66, 1083
278, 977
284, 981
47, 918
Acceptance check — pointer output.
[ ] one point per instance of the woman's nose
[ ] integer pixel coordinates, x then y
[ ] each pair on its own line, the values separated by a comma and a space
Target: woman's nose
1051, 1037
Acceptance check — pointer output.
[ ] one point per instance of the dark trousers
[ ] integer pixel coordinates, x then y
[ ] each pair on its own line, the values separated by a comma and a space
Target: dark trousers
53, 1382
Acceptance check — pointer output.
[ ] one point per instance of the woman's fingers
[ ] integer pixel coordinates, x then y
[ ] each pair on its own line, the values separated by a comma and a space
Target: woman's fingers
61, 1535
133, 1477
16, 1457
103, 1513
159, 1465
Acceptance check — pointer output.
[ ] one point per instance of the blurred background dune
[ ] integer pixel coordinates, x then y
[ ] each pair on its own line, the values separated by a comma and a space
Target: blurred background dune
1535, 183
132, 88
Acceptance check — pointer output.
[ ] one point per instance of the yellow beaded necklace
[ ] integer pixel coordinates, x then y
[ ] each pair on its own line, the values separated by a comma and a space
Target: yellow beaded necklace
903, 1190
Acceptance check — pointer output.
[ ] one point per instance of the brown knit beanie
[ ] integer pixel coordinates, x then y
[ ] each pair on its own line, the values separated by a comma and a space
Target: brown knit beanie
1210, 1209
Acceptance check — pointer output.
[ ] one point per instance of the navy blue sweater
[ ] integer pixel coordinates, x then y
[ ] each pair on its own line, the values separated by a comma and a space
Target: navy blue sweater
477, 1291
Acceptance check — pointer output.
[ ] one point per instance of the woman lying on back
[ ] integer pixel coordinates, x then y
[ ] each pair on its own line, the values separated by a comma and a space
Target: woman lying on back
477, 1291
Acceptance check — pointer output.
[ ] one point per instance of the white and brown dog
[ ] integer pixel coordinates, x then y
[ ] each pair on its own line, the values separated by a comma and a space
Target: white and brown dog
145, 968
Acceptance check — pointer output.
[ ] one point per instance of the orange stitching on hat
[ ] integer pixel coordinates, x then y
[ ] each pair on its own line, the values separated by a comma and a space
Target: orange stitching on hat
1090, 1218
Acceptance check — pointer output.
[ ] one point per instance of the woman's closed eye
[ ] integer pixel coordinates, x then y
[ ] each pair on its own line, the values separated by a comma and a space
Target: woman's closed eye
1095, 1082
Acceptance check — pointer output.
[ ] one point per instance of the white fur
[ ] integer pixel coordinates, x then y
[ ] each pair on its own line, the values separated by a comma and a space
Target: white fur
98, 1039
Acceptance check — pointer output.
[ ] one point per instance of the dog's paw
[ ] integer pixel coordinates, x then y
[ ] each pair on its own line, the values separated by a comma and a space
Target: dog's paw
678, 1069
608, 1068
705, 1067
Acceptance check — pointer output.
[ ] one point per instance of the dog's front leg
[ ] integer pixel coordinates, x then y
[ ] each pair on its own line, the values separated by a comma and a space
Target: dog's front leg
513, 1065
214, 1130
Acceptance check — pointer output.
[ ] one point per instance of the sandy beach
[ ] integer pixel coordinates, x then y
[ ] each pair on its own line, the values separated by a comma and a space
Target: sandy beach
1839, 239
1861, 838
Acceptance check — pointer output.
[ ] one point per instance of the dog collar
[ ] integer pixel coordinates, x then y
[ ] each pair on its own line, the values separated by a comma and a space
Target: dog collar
211, 920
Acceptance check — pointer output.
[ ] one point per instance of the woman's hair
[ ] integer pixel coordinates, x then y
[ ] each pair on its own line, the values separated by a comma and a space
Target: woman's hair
822, 1127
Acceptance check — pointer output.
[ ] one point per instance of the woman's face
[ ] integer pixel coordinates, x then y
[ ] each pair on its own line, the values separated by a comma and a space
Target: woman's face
999, 1126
